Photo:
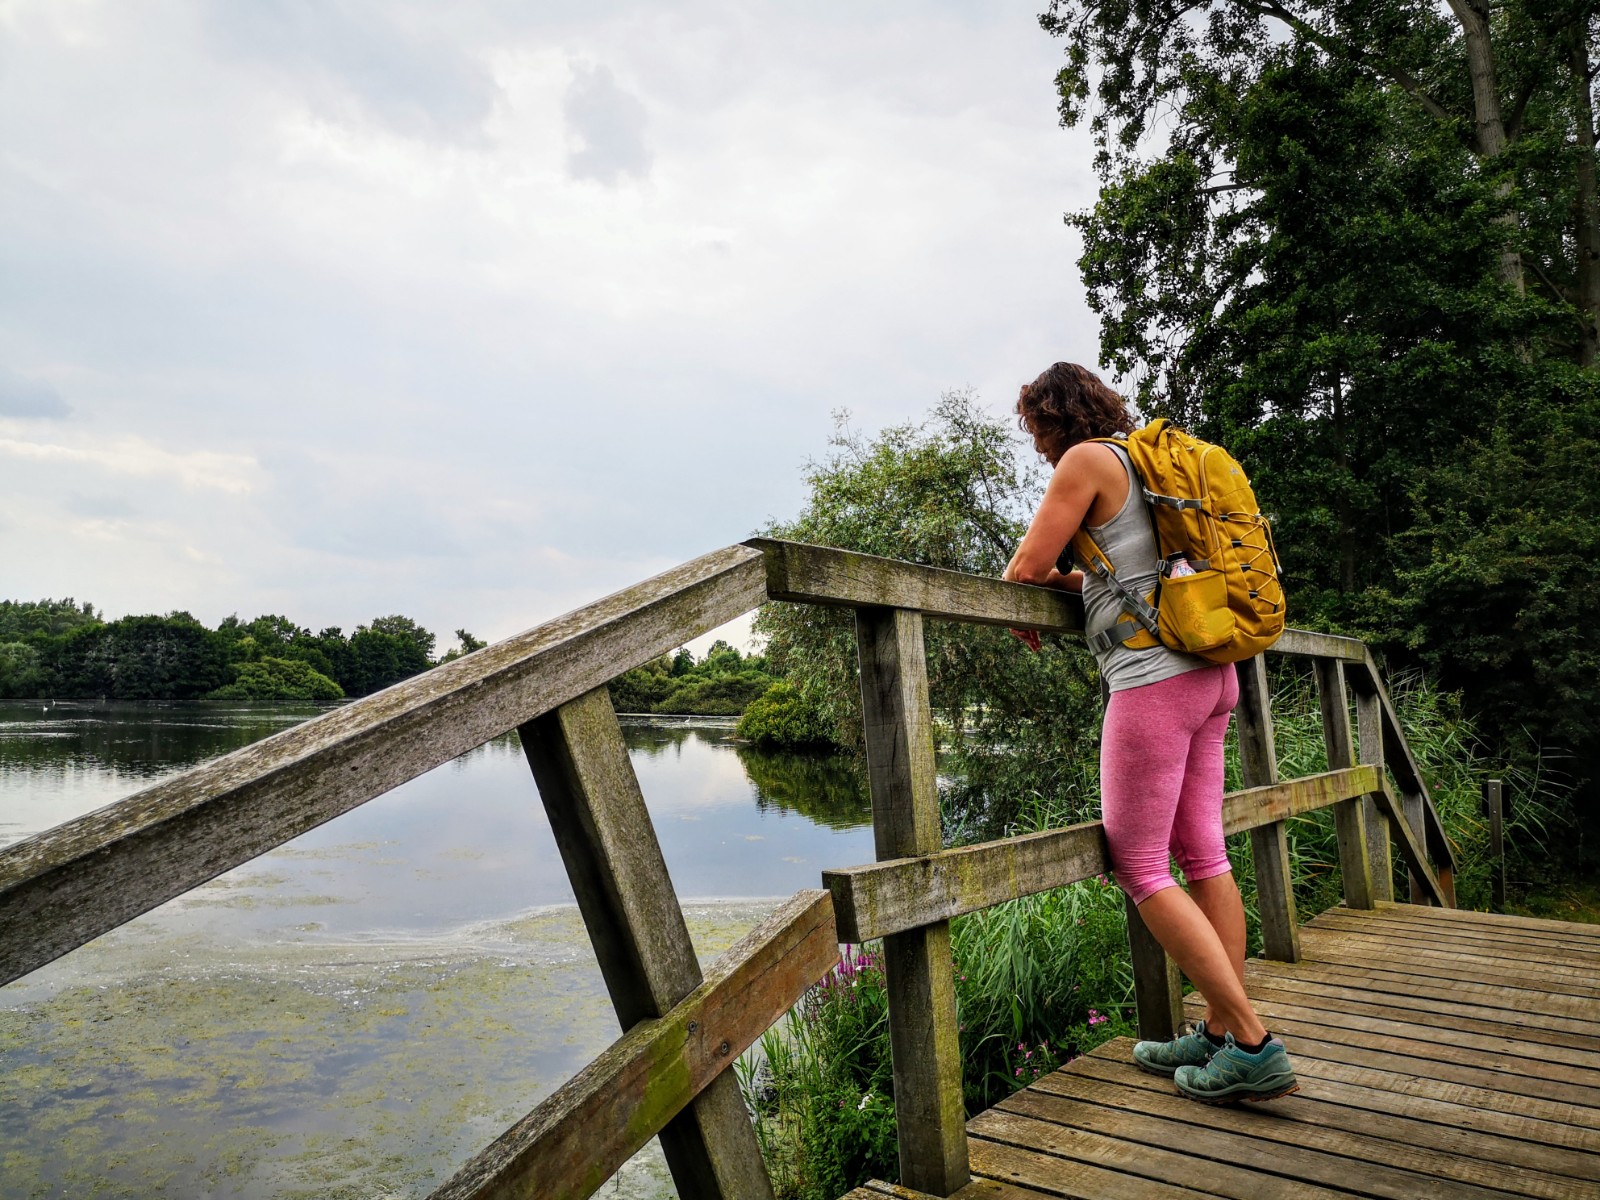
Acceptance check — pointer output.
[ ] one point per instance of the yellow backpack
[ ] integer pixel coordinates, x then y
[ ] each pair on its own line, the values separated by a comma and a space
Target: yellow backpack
1202, 508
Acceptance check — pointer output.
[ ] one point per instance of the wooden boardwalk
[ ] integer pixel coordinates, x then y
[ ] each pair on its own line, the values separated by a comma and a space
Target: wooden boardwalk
1441, 1053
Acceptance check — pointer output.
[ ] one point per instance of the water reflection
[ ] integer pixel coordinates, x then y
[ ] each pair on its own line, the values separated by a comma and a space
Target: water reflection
291, 1022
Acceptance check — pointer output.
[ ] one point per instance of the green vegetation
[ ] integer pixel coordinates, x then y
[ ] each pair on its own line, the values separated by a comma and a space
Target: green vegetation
1045, 978
59, 648
1362, 254
722, 683
780, 718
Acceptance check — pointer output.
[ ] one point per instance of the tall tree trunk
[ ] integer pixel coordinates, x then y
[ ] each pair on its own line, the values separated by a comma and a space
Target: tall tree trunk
1490, 126
1587, 216
1341, 502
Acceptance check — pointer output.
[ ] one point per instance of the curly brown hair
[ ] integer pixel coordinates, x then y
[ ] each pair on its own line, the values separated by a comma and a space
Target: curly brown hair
1069, 404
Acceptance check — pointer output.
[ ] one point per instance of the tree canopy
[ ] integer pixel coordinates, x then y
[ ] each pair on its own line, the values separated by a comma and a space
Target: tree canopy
1358, 245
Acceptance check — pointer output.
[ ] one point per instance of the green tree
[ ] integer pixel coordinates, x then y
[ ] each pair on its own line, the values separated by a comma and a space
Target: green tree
279, 679
946, 492
1359, 250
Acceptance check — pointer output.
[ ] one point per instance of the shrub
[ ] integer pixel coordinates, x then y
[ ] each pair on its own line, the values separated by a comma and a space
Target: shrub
782, 718
280, 679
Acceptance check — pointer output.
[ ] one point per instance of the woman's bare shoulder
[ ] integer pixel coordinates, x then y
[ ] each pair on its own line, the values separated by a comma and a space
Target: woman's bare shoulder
1097, 460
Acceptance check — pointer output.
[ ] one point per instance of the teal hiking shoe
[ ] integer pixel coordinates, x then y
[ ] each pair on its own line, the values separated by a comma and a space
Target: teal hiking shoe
1233, 1074
1188, 1049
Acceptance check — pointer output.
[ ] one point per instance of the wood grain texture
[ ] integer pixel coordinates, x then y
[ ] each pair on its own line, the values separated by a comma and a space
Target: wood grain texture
1349, 820
608, 845
876, 899
567, 1147
1368, 680
842, 578
1369, 725
918, 974
1304, 642
1269, 845
78, 880
1407, 838
1410, 1149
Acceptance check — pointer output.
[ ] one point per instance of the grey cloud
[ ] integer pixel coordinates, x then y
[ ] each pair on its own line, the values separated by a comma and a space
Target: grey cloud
608, 123
416, 83
24, 397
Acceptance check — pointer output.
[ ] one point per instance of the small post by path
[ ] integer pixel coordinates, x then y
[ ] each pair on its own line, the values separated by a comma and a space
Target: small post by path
1494, 810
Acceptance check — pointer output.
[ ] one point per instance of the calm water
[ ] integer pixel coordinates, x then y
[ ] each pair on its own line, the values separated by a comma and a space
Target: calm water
355, 1013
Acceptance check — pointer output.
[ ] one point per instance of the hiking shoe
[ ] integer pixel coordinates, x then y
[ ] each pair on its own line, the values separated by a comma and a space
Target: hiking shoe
1235, 1074
1188, 1049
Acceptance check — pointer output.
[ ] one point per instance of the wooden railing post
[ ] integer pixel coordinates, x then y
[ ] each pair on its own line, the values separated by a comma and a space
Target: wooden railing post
1369, 729
1269, 844
609, 846
923, 1039
1494, 809
1349, 822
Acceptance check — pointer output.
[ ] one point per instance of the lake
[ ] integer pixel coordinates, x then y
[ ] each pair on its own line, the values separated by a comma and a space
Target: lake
357, 1012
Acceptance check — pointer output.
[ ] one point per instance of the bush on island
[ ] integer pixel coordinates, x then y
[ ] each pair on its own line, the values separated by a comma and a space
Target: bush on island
783, 718
280, 679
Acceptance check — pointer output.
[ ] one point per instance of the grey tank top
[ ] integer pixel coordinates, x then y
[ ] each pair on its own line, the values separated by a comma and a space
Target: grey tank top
1130, 543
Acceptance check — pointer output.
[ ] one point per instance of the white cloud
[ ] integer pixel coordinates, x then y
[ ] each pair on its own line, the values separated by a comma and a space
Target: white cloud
131, 455
480, 311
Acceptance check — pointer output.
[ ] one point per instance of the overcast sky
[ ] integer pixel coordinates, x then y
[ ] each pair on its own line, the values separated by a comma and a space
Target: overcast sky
479, 311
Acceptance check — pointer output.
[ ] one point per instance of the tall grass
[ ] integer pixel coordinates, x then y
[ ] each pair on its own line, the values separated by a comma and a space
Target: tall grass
1045, 978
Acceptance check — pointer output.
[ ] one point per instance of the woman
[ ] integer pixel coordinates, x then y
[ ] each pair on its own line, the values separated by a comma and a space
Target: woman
1160, 746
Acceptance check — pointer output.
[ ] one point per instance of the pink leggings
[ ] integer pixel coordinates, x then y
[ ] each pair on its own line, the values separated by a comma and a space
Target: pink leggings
1161, 778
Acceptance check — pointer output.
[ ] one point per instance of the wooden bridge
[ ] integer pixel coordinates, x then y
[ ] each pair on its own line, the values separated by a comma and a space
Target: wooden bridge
1441, 1053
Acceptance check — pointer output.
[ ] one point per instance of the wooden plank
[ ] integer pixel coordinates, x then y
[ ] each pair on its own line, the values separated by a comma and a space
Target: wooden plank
1369, 726
74, 882
1564, 929
1463, 1105
1308, 643
1157, 982
608, 844
1460, 1106
1269, 845
1525, 942
1432, 980
567, 1147
1526, 988
1333, 1117
1406, 838
1461, 1030
1432, 1060
1184, 1159
978, 1189
923, 1043
842, 578
1574, 940
1397, 752
1494, 806
1349, 823
1080, 1178
904, 893
1402, 933
1425, 1004
1578, 980
1276, 802
1511, 1054
1286, 1147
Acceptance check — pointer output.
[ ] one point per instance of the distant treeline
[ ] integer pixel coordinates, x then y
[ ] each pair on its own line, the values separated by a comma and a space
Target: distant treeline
723, 683
67, 650
63, 649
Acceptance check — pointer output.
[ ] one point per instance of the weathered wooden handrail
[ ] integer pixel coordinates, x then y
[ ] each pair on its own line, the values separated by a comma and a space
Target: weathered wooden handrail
83, 878
891, 896
72, 883
575, 1140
